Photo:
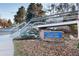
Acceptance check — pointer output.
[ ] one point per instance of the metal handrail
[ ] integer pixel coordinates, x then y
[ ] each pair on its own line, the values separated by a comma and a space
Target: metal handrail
36, 21
47, 16
42, 18
18, 26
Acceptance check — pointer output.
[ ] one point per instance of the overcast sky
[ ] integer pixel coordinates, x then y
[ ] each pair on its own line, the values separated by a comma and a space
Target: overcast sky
8, 10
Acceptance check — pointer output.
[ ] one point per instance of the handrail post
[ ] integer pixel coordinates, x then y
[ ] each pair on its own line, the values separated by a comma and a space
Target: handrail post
78, 25
78, 28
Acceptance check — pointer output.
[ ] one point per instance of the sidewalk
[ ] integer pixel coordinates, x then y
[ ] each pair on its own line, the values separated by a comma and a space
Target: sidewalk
6, 45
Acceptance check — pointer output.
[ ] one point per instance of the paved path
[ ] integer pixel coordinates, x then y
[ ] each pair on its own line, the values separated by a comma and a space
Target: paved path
6, 45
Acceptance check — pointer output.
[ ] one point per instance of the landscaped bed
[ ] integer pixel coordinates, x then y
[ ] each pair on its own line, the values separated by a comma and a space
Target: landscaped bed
33, 47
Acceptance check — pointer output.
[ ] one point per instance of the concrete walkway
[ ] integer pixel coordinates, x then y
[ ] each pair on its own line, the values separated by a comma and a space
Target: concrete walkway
6, 45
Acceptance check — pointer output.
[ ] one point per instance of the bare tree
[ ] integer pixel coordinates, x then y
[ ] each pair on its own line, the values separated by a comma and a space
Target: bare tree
66, 7
77, 4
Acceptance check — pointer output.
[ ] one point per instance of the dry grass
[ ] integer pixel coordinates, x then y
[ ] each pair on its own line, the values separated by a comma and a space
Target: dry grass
41, 48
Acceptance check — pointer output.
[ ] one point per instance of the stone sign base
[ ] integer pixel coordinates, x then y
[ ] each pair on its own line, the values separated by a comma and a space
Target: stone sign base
53, 42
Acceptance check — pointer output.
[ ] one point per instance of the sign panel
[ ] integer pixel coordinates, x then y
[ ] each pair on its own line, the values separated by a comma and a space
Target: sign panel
51, 35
